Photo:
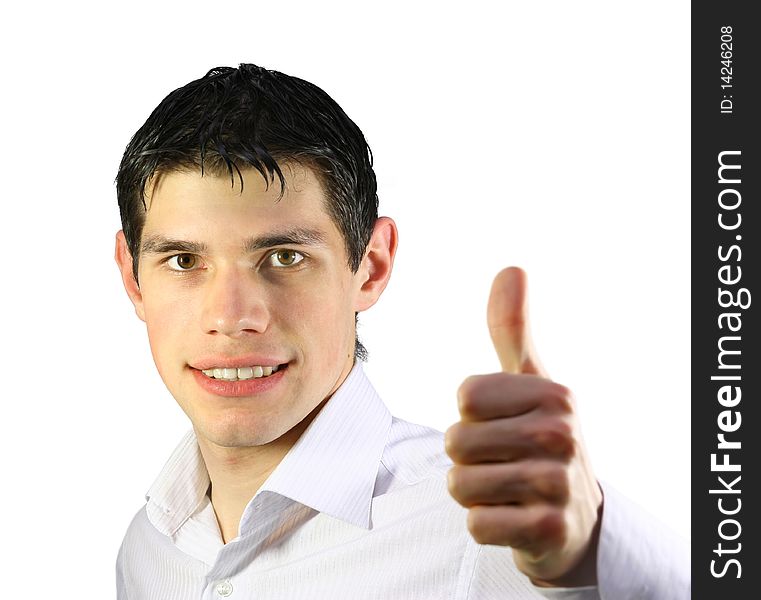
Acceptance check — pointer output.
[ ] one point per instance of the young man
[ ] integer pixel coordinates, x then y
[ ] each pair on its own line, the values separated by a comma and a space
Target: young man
250, 243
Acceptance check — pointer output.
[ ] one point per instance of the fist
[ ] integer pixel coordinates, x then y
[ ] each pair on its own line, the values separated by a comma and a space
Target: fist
520, 465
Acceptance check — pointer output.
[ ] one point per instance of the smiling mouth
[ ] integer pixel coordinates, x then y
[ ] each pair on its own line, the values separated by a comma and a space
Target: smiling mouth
242, 373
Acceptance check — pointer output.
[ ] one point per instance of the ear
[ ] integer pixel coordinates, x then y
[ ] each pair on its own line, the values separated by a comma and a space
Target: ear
375, 269
124, 261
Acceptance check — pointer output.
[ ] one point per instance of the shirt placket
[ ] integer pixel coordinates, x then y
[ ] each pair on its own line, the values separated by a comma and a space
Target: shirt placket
231, 575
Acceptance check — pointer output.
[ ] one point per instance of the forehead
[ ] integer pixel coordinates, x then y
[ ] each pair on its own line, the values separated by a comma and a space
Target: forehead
186, 199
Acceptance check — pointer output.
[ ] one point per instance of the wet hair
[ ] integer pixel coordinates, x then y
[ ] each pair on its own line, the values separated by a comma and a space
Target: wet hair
250, 117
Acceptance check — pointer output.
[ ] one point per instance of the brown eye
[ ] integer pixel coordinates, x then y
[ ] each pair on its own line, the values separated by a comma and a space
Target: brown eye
286, 258
182, 262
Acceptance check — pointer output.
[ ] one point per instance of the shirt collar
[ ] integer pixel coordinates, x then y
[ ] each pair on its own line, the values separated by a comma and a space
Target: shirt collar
332, 468
334, 464
180, 487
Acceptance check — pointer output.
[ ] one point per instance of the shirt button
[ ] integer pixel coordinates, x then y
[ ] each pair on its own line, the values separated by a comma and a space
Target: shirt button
224, 588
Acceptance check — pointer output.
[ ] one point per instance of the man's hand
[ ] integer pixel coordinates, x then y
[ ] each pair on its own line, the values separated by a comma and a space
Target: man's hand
520, 462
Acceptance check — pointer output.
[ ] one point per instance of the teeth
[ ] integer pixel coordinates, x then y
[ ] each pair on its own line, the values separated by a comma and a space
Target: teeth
241, 373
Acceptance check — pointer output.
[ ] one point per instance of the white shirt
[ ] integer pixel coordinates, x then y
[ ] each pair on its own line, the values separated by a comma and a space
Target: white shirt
359, 509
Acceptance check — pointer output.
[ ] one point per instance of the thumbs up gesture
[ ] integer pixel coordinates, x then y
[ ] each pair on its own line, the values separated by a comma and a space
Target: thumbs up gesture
520, 465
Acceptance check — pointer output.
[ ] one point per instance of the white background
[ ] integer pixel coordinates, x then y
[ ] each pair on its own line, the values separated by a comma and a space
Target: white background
554, 136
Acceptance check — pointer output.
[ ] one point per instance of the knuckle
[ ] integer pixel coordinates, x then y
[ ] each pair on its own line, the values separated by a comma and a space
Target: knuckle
474, 392
554, 483
563, 427
552, 527
555, 437
546, 439
471, 392
478, 525
561, 397
455, 442
467, 394
455, 482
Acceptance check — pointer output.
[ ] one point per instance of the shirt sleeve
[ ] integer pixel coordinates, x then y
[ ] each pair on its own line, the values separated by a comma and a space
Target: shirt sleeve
580, 593
639, 558
121, 589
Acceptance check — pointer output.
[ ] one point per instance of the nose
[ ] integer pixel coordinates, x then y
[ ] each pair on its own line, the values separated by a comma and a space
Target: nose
233, 304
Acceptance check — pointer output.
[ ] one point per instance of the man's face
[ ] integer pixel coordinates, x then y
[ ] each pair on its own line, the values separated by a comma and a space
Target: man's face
248, 300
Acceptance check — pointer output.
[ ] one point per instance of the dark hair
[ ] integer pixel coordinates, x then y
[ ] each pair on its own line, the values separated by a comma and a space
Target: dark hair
252, 117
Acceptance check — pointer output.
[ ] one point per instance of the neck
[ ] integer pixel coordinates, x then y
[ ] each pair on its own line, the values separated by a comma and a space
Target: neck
237, 473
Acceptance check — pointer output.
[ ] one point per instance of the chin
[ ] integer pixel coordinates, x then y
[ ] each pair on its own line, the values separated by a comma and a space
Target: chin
241, 439
236, 434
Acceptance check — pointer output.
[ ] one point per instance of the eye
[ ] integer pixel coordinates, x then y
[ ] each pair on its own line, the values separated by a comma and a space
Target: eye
182, 262
285, 258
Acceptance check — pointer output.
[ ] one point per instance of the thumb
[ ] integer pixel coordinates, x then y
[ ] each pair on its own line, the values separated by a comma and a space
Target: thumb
507, 317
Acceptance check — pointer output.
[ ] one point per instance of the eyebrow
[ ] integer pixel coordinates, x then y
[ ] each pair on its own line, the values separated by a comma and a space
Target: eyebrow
158, 244
297, 236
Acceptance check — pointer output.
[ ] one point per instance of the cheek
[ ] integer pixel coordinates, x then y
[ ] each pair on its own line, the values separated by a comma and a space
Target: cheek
167, 322
320, 316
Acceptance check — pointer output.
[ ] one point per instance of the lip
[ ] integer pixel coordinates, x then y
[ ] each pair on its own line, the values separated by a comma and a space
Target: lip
228, 362
241, 388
